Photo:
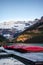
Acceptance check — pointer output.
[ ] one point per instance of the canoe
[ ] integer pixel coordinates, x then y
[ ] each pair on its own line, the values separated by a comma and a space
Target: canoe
33, 49
23, 48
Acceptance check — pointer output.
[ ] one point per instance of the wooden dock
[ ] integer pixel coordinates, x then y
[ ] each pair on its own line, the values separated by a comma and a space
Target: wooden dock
36, 58
26, 58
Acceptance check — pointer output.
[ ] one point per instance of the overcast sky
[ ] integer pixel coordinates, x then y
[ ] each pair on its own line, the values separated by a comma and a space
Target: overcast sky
20, 9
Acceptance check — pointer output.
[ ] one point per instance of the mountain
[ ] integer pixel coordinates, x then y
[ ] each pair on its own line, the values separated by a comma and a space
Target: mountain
33, 34
18, 25
13, 28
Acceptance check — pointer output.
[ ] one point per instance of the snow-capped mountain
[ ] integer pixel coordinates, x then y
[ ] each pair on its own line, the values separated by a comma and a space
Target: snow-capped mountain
12, 29
18, 25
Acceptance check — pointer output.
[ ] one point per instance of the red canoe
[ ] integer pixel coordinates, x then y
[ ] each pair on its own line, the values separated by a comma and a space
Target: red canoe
33, 49
22, 48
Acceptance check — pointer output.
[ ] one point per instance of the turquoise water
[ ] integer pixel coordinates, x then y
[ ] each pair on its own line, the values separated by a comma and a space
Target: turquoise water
31, 44
37, 44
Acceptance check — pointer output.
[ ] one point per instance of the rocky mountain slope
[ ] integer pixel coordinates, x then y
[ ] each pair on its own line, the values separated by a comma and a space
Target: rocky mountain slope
33, 34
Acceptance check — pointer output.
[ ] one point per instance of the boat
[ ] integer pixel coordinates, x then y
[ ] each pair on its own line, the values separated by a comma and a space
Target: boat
23, 48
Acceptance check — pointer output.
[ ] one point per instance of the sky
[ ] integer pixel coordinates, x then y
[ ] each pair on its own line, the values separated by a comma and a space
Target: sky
20, 10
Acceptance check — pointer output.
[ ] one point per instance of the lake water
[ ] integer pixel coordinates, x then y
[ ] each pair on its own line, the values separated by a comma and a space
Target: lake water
36, 44
30, 44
